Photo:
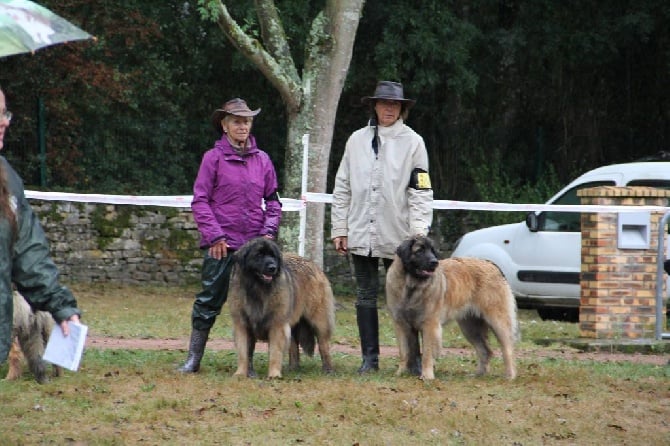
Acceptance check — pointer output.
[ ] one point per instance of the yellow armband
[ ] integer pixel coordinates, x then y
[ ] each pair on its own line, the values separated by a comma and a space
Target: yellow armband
420, 180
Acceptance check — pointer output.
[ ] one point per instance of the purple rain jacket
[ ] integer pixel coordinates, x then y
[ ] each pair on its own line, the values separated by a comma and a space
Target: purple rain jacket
229, 192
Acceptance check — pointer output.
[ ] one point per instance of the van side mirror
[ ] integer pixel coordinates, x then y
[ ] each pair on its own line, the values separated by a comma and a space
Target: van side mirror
532, 221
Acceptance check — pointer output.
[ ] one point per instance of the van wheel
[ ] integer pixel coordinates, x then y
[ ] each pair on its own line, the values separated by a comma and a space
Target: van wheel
559, 314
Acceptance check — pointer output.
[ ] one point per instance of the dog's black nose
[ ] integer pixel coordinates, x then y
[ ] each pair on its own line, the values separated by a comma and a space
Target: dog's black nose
433, 264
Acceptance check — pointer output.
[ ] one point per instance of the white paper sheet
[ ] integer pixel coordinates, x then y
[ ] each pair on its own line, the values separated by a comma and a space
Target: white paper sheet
66, 351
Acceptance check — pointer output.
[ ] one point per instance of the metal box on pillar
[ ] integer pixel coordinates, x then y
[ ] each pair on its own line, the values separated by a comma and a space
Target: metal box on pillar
618, 274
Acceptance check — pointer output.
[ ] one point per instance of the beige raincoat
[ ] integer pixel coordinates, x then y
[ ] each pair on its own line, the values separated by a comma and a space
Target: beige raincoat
373, 203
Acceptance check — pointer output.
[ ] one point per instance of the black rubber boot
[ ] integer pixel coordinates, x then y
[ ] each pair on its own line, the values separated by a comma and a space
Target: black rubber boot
195, 351
368, 329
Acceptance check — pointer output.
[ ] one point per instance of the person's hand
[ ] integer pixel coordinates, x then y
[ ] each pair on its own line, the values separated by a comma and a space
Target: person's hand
269, 236
65, 327
219, 250
340, 244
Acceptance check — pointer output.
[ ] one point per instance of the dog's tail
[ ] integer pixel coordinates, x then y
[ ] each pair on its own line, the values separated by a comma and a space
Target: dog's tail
305, 336
512, 311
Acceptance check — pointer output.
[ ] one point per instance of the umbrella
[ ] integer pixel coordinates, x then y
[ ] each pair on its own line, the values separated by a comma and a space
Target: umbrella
26, 27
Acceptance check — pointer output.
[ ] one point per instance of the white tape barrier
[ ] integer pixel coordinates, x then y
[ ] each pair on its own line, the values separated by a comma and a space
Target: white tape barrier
174, 201
488, 206
177, 201
290, 204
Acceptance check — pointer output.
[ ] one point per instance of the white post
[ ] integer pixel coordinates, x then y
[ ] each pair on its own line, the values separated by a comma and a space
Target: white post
303, 194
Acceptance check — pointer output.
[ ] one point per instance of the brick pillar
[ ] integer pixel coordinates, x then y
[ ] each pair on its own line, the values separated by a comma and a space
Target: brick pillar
618, 286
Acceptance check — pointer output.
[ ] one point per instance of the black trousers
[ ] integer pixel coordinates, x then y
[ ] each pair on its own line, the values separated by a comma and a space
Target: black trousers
366, 272
215, 277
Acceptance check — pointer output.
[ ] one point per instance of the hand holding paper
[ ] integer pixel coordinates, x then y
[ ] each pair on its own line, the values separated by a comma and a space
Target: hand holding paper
64, 325
66, 351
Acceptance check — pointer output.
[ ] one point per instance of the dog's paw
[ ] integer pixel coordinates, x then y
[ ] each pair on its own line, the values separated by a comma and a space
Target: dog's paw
415, 370
42, 379
510, 376
427, 376
274, 373
12, 375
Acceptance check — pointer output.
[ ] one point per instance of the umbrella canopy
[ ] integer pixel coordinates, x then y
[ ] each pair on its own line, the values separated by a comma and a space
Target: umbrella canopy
26, 27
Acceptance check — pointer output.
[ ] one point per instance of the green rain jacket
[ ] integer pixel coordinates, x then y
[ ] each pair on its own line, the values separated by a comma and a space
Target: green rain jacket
26, 262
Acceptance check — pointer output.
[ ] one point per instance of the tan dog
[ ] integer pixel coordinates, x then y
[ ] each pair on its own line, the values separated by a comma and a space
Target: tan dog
30, 334
281, 299
423, 293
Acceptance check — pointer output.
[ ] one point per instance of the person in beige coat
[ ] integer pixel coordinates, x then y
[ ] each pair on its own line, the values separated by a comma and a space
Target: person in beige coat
382, 195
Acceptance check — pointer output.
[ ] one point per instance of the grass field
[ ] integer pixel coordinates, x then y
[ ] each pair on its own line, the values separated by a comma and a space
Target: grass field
122, 397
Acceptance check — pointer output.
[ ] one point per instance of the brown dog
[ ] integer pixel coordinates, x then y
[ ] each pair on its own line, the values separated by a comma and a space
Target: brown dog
280, 299
30, 334
423, 293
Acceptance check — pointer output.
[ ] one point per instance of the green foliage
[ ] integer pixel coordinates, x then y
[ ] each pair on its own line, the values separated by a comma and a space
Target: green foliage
209, 9
430, 46
128, 113
492, 182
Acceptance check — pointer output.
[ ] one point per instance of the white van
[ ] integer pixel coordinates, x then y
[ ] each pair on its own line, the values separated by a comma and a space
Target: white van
541, 257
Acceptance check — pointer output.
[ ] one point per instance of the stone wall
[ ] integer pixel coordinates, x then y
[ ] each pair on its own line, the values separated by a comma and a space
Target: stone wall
136, 244
129, 244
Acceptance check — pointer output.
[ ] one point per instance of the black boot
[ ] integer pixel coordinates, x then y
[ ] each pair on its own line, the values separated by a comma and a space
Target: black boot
195, 351
368, 329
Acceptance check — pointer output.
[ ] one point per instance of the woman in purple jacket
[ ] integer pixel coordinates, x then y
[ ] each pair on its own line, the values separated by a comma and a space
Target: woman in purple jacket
234, 180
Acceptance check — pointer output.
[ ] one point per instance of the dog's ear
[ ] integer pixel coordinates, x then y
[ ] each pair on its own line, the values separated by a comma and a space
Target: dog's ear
405, 248
240, 256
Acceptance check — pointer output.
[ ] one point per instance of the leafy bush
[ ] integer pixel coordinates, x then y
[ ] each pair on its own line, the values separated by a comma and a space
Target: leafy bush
493, 182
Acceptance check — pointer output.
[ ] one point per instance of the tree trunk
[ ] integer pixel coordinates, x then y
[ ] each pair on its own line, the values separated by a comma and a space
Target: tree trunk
311, 101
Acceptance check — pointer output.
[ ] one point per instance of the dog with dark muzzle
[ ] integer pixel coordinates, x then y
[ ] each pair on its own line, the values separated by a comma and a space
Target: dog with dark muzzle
280, 298
423, 293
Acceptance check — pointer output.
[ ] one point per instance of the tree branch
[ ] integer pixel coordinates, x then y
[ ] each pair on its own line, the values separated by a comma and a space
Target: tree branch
285, 81
274, 36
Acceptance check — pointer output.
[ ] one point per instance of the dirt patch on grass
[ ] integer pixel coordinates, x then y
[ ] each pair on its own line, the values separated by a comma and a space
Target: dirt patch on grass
567, 353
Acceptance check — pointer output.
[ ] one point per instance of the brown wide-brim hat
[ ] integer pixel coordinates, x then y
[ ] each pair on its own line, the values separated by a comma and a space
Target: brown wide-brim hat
237, 107
391, 91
